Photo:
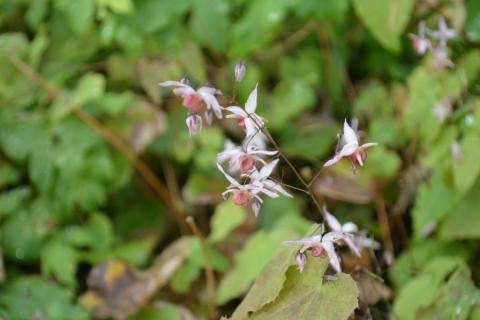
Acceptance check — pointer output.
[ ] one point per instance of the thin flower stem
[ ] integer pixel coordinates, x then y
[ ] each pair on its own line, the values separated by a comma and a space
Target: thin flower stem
290, 186
116, 142
208, 268
307, 186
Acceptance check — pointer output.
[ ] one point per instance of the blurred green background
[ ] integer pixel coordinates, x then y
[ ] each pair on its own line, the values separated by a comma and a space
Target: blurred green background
96, 160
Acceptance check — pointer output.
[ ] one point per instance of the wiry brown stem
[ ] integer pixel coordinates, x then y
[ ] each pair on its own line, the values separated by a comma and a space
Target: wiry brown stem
141, 167
307, 186
208, 268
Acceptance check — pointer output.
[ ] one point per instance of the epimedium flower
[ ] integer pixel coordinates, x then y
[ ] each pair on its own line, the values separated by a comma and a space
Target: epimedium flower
260, 178
420, 43
195, 100
350, 148
246, 117
244, 194
243, 158
443, 109
443, 34
358, 239
320, 246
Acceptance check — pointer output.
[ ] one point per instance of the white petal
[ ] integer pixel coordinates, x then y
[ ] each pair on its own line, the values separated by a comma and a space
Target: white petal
349, 134
229, 178
237, 111
334, 261
174, 84
213, 103
368, 145
266, 171
332, 221
251, 104
307, 241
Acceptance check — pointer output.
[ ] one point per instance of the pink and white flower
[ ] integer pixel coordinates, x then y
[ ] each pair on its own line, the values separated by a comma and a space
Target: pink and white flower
247, 118
420, 42
358, 240
244, 194
350, 148
260, 179
322, 246
242, 158
443, 34
194, 100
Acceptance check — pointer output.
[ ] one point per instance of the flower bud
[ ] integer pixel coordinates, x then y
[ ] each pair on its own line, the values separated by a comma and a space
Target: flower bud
300, 260
240, 69
194, 123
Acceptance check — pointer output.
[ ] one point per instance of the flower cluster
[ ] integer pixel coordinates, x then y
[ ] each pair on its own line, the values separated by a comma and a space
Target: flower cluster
248, 166
247, 159
434, 41
323, 245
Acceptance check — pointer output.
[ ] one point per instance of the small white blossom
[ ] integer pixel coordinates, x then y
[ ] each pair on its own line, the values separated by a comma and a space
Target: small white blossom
246, 117
350, 148
420, 42
241, 158
250, 193
322, 246
194, 100
443, 34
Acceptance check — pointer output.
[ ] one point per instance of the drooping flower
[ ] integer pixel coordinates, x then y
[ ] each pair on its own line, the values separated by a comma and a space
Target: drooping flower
358, 239
247, 118
420, 42
260, 179
195, 100
350, 148
242, 158
440, 53
322, 246
443, 34
240, 70
244, 194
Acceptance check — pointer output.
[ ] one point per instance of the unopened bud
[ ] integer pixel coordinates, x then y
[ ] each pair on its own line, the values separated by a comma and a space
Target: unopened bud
240, 70
300, 260
194, 123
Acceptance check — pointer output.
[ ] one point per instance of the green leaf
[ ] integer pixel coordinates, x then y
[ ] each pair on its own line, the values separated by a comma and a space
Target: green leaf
121, 6
307, 296
210, 23
30, 297
227, 217
455, 299
463, 222
79, 14
419, 255
258, 25
472, 23
467, 168
60, 260
11, 201
250, 260
419, 118
89, 87
385, 19
421, 291
184, 277
290, 98
435, 200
